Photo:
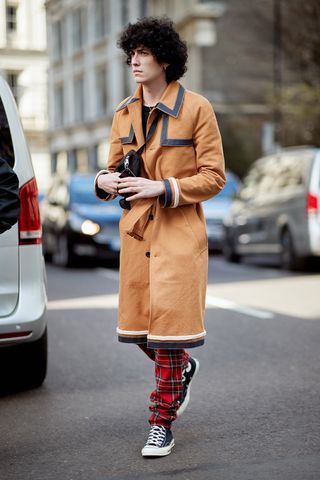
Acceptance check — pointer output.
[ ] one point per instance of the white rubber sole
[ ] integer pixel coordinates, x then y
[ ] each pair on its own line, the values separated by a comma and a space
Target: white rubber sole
184, 405
157, 452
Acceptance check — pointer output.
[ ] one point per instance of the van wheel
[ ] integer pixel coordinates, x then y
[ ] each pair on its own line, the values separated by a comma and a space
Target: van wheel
27, 365
46, 253
288, 258
63, 256
228, 252
36, 357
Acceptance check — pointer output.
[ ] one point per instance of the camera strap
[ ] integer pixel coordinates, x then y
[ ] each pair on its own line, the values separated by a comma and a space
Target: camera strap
152, 129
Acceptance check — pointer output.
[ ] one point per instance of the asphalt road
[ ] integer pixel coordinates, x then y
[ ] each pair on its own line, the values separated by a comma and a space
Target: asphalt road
254, 412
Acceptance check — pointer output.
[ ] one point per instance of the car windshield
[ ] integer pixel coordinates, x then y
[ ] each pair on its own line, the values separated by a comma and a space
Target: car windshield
230, 188
82, 191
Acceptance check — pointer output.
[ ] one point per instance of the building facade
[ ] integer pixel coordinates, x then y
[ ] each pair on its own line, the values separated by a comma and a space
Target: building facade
231, 62
23, 63
88, 77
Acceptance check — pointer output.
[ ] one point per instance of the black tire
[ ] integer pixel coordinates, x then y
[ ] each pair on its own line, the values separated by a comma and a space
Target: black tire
46, 253
288, 257
228, 251
26, 365
64, 255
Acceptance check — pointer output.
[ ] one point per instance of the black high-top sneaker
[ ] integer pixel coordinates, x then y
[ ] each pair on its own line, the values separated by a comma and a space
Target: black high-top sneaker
188, 375
160, 442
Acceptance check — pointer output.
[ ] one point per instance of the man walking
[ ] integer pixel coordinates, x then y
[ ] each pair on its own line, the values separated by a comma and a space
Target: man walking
164, 250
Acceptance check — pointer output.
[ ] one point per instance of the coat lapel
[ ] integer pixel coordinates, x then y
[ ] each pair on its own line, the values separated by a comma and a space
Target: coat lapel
134, 108
172, 99
170, 104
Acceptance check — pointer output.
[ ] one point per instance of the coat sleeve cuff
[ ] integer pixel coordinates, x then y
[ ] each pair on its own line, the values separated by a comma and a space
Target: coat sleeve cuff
101, 194
171, 195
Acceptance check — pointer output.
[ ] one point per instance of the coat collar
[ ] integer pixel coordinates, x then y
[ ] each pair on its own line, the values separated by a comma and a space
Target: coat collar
170, 102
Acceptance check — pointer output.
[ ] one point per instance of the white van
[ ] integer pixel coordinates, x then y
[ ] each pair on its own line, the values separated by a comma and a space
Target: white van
277, 210
23, 330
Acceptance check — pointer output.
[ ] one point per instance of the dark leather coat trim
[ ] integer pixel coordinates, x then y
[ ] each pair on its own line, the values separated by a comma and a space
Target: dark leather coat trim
172, 142
136, 339
129, 138
168, 194
176, 109
125, 104
175, 345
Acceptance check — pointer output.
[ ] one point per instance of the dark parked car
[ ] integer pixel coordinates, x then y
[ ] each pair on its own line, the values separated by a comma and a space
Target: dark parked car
216, 209
76, 223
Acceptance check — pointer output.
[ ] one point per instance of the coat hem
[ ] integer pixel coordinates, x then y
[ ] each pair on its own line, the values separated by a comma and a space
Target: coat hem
165, 345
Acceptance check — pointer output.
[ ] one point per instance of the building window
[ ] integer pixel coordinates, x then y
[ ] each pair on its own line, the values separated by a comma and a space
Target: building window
82, 160
102, 18
102, 153
78, 28
58, 106
102, 91
124, 12
143, 8
11, 18
57, 40
12, 79
61, 161
126, 72
78, 99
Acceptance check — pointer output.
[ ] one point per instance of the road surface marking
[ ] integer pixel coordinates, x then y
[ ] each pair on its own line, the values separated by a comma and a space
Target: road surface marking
111, 302
217, 302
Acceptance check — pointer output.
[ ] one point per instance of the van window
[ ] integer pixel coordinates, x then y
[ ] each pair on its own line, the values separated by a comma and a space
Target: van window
252, 180
291, 171
6, 146
278, 173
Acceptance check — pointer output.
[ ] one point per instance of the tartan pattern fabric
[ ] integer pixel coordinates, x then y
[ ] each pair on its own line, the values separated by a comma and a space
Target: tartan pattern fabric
168, 375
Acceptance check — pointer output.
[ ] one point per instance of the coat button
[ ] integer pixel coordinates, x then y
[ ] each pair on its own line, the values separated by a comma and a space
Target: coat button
148, 254
151, 217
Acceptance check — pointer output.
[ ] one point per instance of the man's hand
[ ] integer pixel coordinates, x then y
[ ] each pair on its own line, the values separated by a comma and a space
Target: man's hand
140, 187
109, 182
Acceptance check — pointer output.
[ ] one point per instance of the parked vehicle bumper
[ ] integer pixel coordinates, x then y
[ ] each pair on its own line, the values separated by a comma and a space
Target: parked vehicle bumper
29, 314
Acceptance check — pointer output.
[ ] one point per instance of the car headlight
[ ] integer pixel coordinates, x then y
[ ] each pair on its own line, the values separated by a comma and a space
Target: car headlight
90, 228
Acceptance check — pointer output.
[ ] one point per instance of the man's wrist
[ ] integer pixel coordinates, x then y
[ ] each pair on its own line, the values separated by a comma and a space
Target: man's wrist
162, 187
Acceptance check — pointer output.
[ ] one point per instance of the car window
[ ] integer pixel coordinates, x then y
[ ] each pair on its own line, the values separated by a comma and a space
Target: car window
81, 191
229, 190
6, 146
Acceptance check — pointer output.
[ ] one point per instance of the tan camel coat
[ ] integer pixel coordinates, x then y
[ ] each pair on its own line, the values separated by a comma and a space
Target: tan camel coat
164, 250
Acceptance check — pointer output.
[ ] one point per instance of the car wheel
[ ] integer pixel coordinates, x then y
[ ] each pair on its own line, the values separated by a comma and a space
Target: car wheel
27, 365
46, 253
228, 251
288, 258
64, 255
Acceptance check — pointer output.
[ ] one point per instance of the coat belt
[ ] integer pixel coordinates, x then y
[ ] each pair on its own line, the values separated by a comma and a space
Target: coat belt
135, 221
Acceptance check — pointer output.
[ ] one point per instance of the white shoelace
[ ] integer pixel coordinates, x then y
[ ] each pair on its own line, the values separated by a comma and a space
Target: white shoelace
187, 369
156, 436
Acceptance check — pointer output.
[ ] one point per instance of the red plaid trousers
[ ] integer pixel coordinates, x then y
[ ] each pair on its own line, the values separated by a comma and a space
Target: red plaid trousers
168, 374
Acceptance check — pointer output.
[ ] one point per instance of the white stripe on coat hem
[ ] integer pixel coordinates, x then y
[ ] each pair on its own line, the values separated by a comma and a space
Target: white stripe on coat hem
178, 337
133, 332
176, 192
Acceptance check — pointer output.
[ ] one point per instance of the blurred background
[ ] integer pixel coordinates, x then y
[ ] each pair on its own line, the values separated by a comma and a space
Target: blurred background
256, 412
257, 62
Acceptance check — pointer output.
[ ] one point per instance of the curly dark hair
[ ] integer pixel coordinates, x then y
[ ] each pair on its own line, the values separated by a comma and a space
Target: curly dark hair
159, 35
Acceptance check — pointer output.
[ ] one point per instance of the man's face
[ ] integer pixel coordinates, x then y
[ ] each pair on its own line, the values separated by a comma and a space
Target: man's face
145, 68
